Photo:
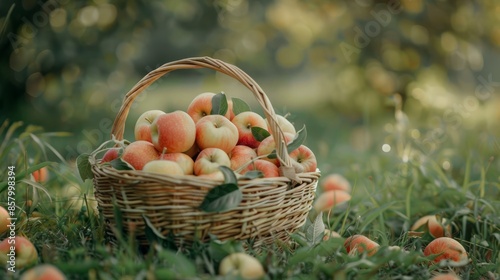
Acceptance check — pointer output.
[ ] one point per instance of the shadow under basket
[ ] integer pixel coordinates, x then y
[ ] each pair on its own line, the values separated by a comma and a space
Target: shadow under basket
270, 210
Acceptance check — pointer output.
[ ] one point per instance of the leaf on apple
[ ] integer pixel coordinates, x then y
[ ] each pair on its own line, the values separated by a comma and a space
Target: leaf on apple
239, 106
298, 140
120, 164
259, 133
252, 174
84, 167
219, 104
225, 196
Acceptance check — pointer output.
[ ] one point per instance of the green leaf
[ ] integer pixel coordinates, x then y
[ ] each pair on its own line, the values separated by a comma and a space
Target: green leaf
152, 234
222, 198
219, 104
84, 167
299, 139
259, 133
316, 230
239, 106
252, 174
178, 266
120, 164
229, 176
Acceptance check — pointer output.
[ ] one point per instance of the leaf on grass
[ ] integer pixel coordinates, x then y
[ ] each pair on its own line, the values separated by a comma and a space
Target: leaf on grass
239, 106
316, 230
222, 198
252, 174
259, 133
299, 139
84, 168
120, 164
219, 104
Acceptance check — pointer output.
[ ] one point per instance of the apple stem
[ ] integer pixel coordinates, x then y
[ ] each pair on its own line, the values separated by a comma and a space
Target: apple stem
163, 152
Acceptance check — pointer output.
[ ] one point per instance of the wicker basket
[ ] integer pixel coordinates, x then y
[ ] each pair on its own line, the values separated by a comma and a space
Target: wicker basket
271, 208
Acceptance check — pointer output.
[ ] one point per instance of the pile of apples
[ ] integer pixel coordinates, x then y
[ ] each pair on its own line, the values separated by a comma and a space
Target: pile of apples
198, 141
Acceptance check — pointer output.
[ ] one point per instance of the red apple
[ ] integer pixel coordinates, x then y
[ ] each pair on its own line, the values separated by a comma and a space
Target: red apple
359, 244
241, 155
430, 223
448, 249
142, 129
110, 155
305, 158
230, 109
244, 122
209, 160
201, 106
43, 272
184, 161
216, 131
162, 166
268, 169
41, 175
330, 199
18, 250
175, 132
268, 145
138, 153
4, 220
241, 266
335, 182
284, 124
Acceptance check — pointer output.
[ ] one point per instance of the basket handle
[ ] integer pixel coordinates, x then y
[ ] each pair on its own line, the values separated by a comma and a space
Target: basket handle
207, 62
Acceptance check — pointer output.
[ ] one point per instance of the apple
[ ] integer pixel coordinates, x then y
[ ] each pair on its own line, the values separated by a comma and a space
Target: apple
162, 166
330, 234
175, 132
184, 161
209, 160
74, 199
241, 155
244, 122
4, 220
138, 153
41, 175
429, 223
230, 109
110, 155
446, 249
193, 151
335, 182
43, 272
305, 158
216, 131
25, 252
268, 145
242, 265
201, 106
284, 124
142, 129
358, 244
446, 276
330, 199
268, 169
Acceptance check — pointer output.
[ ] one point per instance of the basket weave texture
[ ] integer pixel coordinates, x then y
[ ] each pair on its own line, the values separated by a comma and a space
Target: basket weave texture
271, 208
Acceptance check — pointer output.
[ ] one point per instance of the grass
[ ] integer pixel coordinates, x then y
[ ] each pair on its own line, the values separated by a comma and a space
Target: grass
454, 174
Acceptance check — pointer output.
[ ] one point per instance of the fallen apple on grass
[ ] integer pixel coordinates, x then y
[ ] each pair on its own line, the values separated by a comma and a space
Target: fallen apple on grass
335, 182
41, 175
175, 132
445, 276
43, 272
142, 129
447, 249
358, 244
4, 220
330, 199
242, 265
430, 223
18, 250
